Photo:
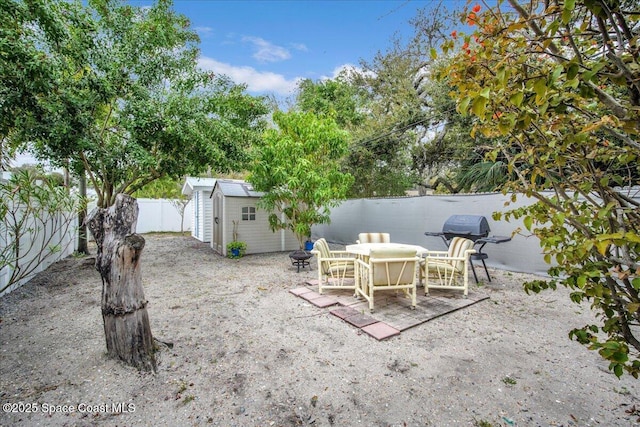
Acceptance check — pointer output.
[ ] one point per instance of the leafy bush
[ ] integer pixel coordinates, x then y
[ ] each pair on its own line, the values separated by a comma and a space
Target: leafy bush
236, 246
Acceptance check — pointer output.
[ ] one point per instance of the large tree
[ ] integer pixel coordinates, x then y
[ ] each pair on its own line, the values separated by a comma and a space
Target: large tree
406, 132
40, 60
128, 107
297, 166
379, 157
153, 112
412, 135
558, 85
380, 167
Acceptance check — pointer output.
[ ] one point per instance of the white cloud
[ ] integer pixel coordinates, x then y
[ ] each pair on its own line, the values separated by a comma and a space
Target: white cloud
204, 31
266, 51
256, 81
348, 68
299, 46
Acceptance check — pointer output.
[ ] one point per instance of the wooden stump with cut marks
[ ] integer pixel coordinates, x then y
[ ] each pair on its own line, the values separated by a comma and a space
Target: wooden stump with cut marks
124, 308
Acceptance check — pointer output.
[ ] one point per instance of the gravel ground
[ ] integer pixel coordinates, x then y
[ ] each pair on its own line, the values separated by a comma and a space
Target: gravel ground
246, 352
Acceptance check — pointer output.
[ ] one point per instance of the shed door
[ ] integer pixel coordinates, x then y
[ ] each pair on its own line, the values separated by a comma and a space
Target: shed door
218, 220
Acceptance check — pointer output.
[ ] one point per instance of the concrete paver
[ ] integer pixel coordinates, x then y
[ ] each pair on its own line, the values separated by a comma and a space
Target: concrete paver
392, 312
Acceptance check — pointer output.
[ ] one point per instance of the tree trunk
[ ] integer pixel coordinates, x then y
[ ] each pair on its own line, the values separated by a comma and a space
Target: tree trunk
126, 322
83, 247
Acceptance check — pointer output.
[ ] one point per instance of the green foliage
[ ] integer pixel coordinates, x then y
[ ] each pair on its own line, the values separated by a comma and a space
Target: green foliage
36, 172
509, 381
42, 44
559, 89
412, 133
483, 176
33, 212
127, 102
162, 188
380, 166
405, 127
241, 247
27, 70
297, 166
337, 98
380, 156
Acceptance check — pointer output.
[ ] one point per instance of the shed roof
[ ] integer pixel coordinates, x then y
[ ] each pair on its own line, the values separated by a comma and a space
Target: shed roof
236, 188
192, 184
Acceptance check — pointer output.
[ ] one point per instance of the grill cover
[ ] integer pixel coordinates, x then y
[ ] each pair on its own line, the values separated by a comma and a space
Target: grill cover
470, 226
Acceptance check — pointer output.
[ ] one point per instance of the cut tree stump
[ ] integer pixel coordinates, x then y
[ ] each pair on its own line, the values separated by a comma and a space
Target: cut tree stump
124, 308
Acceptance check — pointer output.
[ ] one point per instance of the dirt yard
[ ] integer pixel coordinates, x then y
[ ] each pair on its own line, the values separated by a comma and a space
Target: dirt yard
246, 352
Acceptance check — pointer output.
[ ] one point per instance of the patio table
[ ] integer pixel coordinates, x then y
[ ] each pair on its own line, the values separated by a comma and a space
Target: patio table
363, 250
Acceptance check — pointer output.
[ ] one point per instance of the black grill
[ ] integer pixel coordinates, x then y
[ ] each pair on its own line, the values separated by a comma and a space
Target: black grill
472, 227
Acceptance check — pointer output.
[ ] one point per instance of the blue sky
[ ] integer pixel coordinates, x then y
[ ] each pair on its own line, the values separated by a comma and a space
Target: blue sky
270, 45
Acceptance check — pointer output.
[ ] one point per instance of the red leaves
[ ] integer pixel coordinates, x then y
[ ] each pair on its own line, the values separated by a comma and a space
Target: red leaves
473, 18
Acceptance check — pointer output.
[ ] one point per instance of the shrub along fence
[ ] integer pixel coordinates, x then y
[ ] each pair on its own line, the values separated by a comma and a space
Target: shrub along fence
49, 239
37, 226
46, 242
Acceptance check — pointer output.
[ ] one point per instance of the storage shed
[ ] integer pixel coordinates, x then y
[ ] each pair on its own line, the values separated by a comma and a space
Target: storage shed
201, 218
236, 214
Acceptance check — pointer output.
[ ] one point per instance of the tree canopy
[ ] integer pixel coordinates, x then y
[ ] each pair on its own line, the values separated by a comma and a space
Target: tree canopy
297, 166
127, 102
33, 35
406, 132
557, 86
336, 98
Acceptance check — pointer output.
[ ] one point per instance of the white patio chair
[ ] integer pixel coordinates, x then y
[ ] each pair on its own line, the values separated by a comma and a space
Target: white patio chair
374, 238
448, 267
335, 268
388, 269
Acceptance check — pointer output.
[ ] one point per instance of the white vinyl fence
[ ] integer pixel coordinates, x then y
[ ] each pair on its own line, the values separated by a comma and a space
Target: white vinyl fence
155, 215
161, 215
59, 242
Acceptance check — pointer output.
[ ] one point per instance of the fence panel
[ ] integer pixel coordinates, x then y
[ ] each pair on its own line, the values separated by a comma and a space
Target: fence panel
161, 215
155, 215
407, 218
39, 241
